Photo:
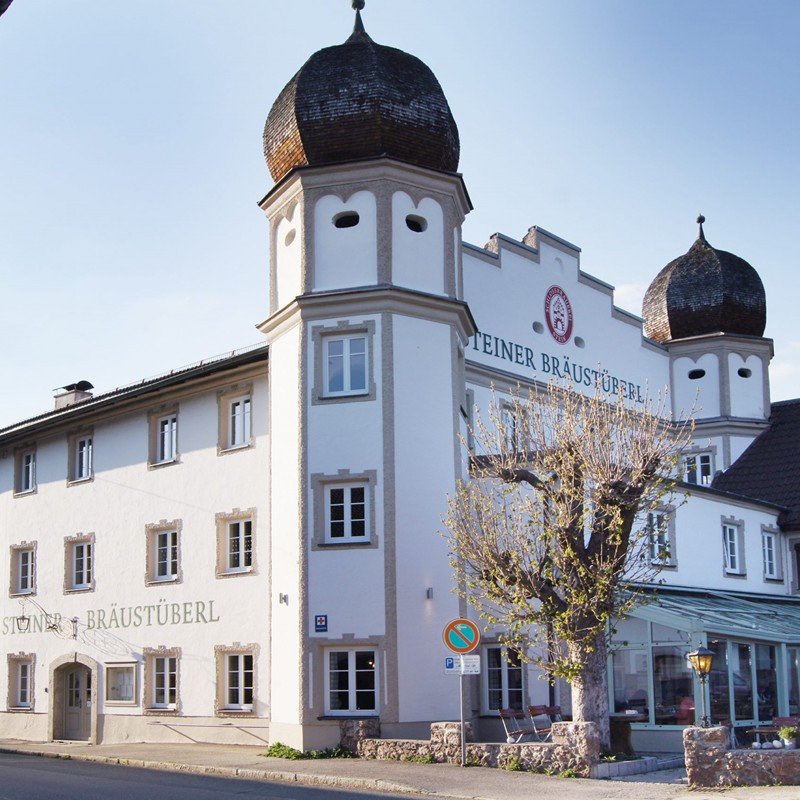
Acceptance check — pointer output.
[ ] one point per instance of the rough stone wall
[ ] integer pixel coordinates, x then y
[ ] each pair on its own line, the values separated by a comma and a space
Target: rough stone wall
575, 746
709, 762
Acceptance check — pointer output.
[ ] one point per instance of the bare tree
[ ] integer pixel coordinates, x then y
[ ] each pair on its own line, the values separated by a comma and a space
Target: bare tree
550, 536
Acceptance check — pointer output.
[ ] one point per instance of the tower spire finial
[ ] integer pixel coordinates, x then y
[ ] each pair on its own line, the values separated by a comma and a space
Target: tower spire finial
700, 220
358, 5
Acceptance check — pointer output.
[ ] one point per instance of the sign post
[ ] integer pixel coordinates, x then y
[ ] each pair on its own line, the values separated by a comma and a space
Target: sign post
461, 636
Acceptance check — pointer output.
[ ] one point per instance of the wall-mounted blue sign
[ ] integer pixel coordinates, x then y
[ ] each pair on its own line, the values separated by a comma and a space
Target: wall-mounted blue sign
321, 623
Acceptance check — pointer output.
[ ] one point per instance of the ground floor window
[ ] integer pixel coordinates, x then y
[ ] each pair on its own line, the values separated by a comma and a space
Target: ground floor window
165, 681
121, 684
502, 686
20, 682
239, 681
351, 681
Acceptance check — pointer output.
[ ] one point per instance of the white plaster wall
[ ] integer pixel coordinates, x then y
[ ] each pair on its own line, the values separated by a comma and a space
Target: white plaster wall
285, 527
425, 470
417, 258
701, 394
739, 444
507, 297
345, 256
347, 584
699, 549
288, 251
116, 506
747, 393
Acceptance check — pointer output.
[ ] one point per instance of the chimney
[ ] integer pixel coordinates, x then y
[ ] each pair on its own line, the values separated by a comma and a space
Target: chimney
73, 393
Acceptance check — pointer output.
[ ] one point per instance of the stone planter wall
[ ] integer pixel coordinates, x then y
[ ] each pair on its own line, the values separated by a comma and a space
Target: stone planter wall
710, 762
575, 746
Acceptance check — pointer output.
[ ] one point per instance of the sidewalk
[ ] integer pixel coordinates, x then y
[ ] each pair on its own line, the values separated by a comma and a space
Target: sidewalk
439, 780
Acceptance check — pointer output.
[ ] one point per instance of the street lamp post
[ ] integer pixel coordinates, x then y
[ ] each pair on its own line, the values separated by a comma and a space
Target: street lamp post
701, 661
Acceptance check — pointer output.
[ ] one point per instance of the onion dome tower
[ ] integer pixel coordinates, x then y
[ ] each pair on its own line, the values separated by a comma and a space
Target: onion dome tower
366, 330
708, 307
705, 291
361, 100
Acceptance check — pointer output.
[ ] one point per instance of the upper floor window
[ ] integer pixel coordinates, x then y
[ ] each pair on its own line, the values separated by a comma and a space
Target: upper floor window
346, 513
345, 365
660, 544
167, 438
23, 569
163, 552
697, 469
26, 471
81, 457
733, 548
80, 563
239, 421
240, 545
351, 682
772, 556
502, 686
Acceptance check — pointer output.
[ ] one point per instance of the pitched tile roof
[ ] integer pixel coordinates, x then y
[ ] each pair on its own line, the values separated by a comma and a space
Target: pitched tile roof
770, 468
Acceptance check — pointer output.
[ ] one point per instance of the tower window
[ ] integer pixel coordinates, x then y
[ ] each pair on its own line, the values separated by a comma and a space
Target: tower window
696, 374
743, 372
416, 224
347, 219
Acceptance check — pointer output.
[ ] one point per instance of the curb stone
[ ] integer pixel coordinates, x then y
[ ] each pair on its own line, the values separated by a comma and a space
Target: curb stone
278, 776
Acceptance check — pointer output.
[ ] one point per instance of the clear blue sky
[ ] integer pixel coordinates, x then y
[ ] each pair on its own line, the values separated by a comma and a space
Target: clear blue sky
130, 157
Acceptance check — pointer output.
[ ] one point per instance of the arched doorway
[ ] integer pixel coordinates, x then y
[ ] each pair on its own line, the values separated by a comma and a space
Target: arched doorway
73, 691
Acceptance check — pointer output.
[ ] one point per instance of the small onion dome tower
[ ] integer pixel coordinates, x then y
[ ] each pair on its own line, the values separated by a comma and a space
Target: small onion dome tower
704, 291
361, 100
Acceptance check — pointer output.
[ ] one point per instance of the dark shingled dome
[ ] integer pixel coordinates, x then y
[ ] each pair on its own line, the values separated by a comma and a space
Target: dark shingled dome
704, 291
361, 100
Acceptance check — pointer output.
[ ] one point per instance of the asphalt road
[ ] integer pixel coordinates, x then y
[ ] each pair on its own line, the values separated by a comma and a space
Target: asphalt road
31, 778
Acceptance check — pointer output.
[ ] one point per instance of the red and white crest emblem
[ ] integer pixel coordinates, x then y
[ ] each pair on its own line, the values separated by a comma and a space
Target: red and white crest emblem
558, 314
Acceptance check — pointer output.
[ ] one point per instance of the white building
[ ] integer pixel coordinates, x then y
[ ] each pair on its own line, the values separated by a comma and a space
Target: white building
247, 549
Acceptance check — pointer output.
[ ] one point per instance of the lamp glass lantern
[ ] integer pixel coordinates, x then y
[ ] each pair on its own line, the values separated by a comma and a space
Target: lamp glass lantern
702, 660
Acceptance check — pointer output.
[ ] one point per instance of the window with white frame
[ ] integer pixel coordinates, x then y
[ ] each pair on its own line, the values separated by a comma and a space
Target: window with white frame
81, 465
121, 684
502, 681
345, 365
80, 565
698, 469
165, 682
163, 553
733, 548
239, 421
26, 471
23, 569
346, 513
239, 546
239, 681
771, 555
658, 532
166, 439
351, 682
20, 682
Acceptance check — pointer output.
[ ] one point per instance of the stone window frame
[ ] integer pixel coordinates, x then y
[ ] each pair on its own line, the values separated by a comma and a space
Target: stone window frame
741, 566
150, 654
343, 328
494, 643
225, 397
69, 556
72, 443
779, 576
221, 651
672, 561
14, 551
320, 483
154, 417
14, 660
134, 665
223, 519
152, 530
19, 455
350, 648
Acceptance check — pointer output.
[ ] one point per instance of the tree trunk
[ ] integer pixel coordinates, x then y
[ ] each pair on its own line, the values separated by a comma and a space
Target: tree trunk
590, 688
